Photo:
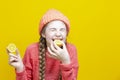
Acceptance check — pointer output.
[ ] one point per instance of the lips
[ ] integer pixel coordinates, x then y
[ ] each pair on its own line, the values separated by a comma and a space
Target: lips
57, 39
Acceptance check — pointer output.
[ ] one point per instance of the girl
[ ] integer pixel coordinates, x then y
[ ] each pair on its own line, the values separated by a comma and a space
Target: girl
45, 60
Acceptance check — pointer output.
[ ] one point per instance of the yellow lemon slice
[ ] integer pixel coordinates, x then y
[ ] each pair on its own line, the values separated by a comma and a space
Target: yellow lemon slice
58, 43
11, 47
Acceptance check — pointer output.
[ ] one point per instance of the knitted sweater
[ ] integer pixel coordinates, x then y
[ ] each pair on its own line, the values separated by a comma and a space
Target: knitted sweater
53, 66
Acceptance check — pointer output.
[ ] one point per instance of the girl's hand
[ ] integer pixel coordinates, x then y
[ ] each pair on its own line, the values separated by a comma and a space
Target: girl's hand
15, 60
59, 53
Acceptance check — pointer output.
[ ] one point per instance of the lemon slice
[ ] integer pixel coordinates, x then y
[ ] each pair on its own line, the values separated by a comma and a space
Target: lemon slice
11, 47
58, 43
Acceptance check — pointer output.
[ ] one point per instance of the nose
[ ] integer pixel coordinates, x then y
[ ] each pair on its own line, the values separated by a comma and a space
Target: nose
58, 34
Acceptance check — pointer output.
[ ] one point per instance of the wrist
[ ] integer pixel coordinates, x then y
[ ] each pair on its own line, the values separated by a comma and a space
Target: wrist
20, 69
66, 61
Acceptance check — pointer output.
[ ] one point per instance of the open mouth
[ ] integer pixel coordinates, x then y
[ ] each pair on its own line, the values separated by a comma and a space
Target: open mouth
58, 42
57, 39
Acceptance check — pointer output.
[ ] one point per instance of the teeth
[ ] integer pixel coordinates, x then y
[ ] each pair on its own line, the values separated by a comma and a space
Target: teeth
57, 39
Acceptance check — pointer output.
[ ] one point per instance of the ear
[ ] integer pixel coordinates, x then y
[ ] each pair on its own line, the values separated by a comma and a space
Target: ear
43, 35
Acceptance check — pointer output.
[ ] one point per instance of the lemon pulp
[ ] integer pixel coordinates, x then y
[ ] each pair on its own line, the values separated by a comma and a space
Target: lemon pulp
58, 43
11, 47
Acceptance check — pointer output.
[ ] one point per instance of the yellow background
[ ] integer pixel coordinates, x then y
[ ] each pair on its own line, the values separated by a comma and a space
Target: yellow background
94, 30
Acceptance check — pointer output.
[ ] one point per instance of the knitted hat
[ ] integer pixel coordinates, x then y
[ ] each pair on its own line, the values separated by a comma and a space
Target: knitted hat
51, 15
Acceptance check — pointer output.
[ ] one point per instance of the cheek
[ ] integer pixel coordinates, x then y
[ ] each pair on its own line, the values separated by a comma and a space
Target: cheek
64, 38
64, 35
48, 40
48, 37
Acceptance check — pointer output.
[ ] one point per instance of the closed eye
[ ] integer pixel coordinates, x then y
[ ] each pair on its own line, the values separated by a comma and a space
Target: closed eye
52, 29
62, 29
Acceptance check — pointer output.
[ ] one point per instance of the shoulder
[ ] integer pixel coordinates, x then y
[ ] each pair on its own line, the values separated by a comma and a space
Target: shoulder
32, 50
33, 46
70, 46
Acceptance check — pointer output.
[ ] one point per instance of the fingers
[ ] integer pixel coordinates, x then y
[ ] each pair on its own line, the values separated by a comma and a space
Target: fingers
51, 54
17, 52
49, 50
57, 47
64, 46
12, 55
53, 49
12, 58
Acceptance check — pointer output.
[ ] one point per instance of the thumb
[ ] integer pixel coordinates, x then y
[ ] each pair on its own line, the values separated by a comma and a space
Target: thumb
17, 52
7, 51
64, 45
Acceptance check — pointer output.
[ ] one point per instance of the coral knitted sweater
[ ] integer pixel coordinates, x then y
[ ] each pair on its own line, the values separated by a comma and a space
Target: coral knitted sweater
53, 67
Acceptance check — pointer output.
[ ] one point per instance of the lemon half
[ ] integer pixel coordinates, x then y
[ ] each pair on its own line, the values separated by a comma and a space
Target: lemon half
11, 47
58, 43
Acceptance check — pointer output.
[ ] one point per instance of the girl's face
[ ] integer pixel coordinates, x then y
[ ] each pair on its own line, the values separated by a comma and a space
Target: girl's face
55, 30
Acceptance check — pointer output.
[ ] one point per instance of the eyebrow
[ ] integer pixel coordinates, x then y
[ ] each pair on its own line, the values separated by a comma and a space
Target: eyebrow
52, 28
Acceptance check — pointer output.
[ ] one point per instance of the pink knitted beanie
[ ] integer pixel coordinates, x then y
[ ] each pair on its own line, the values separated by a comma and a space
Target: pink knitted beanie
51, 15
